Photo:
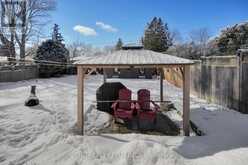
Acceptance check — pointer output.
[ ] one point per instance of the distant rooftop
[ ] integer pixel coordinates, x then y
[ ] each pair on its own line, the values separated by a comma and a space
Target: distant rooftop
243, 50
132, 46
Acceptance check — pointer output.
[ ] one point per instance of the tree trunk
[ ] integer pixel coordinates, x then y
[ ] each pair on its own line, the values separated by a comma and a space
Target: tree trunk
12, 52
22, 51
12, 45
22, 45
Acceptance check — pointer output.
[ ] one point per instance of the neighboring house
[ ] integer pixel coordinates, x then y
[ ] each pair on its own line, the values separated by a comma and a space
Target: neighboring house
147, 73
4, 51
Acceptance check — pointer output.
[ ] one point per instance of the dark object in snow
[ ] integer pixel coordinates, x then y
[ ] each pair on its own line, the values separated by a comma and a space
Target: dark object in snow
32, 99
106, 94
146, 125
197, 131
163, 125
166, 125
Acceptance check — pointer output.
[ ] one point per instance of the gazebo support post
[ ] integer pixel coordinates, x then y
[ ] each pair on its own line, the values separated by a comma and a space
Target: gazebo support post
161, 85
80, 101
104, 76
186, 99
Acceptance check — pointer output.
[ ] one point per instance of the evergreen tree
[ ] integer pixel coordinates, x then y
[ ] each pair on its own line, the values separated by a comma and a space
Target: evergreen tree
56, 35
157, 36
51, 51
119, 44
233, 38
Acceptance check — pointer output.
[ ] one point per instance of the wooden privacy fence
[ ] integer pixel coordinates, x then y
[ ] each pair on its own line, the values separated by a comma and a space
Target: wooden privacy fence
219, 79
18, 72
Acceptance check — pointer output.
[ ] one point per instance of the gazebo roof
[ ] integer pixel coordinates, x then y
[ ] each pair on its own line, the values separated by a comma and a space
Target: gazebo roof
134, 58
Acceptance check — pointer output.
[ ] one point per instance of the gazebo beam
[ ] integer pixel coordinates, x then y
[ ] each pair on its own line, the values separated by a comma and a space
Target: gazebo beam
80, 101
124, 66
186, 99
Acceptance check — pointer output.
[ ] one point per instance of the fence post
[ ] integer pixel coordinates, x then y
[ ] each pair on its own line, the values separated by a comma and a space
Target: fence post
186, 100
242, 78
161, 85
239, 71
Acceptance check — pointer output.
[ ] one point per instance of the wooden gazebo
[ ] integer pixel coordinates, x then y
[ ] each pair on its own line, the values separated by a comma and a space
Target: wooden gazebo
135, 59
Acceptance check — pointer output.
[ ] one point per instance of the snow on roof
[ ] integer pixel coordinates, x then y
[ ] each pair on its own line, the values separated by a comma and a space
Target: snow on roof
134, 58
3, 58
81, 58
243, 50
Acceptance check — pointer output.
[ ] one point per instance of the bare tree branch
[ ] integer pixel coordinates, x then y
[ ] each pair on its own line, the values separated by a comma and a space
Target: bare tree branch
200, 37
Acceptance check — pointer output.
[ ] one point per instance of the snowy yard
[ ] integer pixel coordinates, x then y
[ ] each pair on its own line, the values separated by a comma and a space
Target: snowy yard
44, 134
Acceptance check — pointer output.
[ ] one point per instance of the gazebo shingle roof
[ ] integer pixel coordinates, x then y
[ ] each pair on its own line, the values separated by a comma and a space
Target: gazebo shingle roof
134, 58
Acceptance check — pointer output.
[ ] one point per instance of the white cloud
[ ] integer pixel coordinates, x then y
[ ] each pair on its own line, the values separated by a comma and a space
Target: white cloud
86, 31
106, 27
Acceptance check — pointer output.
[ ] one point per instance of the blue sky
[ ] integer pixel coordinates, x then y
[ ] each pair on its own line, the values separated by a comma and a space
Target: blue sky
102, 22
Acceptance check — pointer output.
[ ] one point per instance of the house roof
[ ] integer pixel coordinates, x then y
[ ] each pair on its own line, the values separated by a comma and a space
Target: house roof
133, 58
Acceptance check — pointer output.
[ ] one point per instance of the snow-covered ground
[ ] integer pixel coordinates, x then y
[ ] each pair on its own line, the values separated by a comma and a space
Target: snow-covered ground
45, 134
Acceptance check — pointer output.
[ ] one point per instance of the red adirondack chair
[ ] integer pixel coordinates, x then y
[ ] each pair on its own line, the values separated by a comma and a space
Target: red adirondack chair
124, 107
146, 107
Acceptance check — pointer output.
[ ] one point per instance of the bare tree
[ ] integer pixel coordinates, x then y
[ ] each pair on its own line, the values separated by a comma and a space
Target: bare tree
74, 49
36, 11
108, 49
200, 37
7, 30
31, 15
31, 50
78, 48
176, 37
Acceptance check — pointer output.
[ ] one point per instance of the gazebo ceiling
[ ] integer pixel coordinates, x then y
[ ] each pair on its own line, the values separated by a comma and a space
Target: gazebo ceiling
133, 58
